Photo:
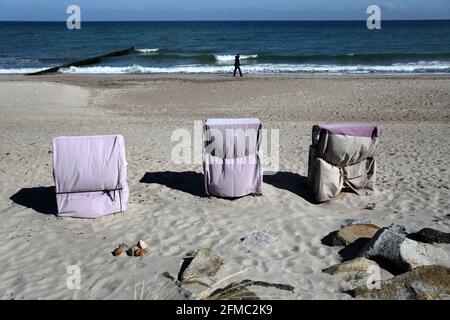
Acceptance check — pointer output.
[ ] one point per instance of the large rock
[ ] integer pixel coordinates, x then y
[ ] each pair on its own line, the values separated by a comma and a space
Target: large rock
424, 283
401, 228
356, 265
405, 253
351, 233
356, 272
205, 263
429, 235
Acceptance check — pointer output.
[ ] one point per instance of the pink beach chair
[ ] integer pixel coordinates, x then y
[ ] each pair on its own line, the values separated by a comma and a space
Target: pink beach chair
90, 175
232, 157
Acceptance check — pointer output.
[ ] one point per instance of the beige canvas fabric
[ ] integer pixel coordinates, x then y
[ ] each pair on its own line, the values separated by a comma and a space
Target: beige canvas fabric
342, 156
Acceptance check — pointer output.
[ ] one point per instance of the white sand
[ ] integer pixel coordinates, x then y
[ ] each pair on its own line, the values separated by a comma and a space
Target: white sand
168, 214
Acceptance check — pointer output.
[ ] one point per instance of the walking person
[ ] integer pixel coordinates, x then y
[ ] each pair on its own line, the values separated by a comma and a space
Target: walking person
237, 65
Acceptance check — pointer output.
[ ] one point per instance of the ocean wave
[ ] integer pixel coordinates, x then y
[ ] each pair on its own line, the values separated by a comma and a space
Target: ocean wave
399, 68
20, 70
260, 68
230, 57
148, 51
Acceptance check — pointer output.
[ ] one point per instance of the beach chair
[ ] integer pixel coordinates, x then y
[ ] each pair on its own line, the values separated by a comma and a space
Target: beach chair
90, 175
232, 157
342, 156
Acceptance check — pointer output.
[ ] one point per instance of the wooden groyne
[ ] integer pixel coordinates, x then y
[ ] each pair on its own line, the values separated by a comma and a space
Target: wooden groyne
84, 62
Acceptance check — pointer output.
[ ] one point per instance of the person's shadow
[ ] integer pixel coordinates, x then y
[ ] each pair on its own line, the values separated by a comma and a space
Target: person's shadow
292, 182
40, 199
188, 181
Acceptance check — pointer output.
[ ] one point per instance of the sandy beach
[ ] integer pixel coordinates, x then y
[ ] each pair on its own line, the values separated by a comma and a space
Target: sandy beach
168, 209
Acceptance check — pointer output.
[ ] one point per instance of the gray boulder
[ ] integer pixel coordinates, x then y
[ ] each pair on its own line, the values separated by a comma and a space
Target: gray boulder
205, 263
422, 283
402, 228
429, 235
405, 253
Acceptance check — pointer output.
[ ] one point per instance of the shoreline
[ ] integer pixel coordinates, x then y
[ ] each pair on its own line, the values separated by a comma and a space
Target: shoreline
182, 76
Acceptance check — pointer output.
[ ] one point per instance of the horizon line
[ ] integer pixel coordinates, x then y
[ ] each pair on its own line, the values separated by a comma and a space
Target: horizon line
219, 20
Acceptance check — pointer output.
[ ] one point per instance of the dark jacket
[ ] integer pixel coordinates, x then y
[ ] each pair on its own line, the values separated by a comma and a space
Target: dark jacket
237, 61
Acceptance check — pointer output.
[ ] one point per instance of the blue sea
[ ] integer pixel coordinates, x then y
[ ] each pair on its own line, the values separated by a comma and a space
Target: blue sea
266, 47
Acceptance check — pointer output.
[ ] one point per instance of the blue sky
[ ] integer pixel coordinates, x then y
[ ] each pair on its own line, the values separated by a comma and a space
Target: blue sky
55, 10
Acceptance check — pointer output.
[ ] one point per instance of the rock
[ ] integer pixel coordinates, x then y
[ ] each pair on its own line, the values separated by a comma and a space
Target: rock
370, 206
141, 244
402, 228
233, 291
123, 246
132, 251
357, 272
430, 235
356, 265
117, 252
422, 283
260, 239
140, 252
350, 234
205, 263
349, 222
405, 253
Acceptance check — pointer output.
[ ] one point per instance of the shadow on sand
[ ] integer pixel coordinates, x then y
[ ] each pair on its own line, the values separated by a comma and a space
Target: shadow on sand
188, 181
292, 182
40, 199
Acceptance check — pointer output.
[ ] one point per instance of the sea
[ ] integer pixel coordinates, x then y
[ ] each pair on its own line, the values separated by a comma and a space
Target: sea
209, 47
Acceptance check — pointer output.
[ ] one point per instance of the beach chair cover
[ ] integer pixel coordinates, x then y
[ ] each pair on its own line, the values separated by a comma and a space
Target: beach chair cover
342, 155
90, 175
232, 157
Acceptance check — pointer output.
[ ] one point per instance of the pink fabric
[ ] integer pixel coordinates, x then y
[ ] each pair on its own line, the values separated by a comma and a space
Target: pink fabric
348, 129
232, 160
90, 175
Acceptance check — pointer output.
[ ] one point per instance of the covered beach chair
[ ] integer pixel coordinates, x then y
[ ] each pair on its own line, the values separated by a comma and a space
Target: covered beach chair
342, 156
232, 157
90, 175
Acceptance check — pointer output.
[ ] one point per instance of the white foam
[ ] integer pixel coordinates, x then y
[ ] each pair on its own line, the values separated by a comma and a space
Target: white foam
398, 68
148, 50
230, 57
420, 67
20, 70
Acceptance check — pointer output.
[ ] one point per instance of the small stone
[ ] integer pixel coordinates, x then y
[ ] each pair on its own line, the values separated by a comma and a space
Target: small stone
123, 246
350, 234
141, 244
117, 252
430, 235
422, 283
131, 251
140, 252
370, 206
